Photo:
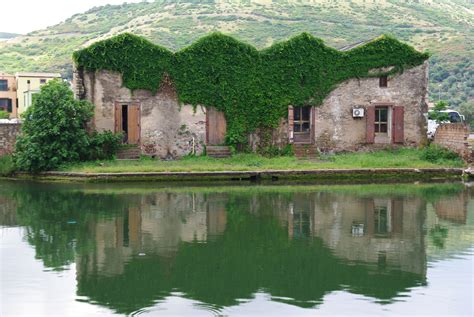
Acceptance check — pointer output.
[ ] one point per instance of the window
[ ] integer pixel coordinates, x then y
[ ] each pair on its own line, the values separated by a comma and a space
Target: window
301, 119
42, 81
6, 104
380, 220
28, 81
381, 119
3, 85
383, 81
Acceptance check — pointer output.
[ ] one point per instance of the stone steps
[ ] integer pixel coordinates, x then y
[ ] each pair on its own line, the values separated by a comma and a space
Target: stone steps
305, 151
129, 153
218, 151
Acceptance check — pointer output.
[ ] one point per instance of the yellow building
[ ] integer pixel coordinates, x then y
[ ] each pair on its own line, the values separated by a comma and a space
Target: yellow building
28, 84
8, 101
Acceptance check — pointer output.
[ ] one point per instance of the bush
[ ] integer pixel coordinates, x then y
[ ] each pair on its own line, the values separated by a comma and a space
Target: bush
103, 146
6, 165
275, 151
436, 154
54, 131
4, 114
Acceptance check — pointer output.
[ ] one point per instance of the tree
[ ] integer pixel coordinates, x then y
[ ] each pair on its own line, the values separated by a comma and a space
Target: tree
467, 109
437, 114
54, 131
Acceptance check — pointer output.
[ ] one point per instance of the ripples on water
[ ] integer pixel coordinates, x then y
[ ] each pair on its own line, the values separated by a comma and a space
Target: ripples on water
279, 250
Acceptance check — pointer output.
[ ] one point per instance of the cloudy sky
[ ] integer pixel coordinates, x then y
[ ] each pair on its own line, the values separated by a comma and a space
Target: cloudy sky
23, 16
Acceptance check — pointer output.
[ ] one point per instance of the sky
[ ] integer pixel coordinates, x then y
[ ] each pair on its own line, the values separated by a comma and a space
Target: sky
25, 16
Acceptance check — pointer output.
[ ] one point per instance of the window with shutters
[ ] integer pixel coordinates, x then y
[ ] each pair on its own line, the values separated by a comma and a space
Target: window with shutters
381, 120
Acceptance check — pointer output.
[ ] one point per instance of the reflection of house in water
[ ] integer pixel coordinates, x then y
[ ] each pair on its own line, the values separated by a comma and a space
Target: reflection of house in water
154, 226
453, 208
7, 211
385, 231
371, 246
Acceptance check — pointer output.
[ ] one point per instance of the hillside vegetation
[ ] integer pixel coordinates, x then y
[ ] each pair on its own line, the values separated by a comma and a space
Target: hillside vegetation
445, 28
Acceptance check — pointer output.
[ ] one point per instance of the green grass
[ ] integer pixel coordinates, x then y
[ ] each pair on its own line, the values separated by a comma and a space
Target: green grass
400, 158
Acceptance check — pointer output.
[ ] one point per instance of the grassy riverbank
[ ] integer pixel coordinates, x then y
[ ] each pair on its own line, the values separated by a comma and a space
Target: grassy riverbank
400, 158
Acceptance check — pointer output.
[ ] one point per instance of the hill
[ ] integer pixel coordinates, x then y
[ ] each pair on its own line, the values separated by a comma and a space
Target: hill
6, 36
445, 28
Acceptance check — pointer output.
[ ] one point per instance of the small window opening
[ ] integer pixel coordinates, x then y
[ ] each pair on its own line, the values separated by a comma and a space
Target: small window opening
42, 81
383, 81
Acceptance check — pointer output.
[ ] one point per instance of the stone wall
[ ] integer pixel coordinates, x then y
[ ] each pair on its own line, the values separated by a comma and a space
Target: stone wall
168, 129
277, 137
9, 131
454, 136
335, 128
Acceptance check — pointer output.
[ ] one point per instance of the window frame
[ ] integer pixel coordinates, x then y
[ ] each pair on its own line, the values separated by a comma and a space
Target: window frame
6, 84
301, 121
378, 123
383, 81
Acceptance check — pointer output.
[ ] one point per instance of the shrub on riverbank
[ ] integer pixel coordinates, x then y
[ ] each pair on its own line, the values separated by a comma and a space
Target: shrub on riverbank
436, 154
54, 132
7, 167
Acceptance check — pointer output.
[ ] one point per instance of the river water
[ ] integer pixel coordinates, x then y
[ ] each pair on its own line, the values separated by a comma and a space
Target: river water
144, 249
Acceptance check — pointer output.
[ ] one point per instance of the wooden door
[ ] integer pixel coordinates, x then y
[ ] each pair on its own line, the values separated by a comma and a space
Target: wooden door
127, 121
216, 126
133, 124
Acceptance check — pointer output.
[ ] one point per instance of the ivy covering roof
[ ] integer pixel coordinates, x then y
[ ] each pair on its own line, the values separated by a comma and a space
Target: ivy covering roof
253, 88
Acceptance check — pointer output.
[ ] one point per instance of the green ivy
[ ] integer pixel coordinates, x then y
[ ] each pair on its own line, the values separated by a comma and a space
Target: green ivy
253, 88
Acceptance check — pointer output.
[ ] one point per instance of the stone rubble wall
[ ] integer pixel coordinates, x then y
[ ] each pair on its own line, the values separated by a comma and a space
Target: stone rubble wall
168, 129
336, 129
454, 136
9, 130
171, 130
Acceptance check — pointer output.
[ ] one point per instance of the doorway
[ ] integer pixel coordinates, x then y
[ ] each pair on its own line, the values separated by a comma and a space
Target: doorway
127, 121
216, 126
302, 124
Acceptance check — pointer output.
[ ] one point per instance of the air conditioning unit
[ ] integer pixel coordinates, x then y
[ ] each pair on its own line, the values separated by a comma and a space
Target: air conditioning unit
358, 112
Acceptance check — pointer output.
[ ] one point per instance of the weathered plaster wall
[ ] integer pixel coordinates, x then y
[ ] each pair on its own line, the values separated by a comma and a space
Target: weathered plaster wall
336, 128
277, 137
8, 134
167, 128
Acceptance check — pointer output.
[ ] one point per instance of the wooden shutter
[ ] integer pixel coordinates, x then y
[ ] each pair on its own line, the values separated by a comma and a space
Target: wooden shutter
134, 124
118, 117
398, 124
370, 124
291, 119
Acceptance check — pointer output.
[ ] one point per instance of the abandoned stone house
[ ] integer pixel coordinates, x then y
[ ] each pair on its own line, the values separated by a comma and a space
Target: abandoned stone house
360, 113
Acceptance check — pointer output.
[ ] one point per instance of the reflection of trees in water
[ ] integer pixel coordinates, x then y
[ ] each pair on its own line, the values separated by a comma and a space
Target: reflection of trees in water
438, 235
57, 221
254, 252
